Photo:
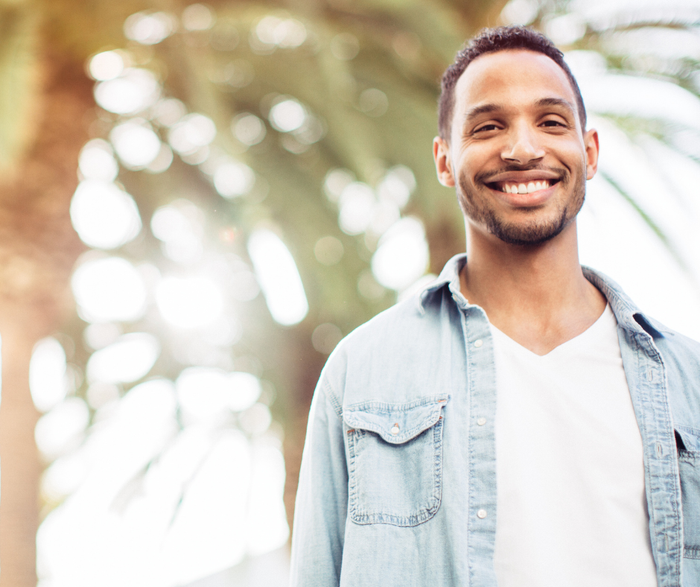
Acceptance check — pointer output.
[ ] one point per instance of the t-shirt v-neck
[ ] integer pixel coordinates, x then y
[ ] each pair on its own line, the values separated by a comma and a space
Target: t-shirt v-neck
569, 466
570, 346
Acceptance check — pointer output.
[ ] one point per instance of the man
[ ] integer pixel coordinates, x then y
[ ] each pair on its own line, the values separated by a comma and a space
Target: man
520, 423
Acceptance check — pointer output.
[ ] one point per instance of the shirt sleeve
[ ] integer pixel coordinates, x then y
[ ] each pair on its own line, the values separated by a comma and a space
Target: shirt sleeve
322, 497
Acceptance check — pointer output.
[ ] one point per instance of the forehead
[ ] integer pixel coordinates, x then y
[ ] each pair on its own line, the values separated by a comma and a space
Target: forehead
512, 79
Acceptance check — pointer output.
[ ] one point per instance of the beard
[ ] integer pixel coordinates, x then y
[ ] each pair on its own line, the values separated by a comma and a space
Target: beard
478, 208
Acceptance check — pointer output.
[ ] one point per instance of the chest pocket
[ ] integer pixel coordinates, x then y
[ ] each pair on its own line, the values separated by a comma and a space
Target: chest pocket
688, 441
395, 461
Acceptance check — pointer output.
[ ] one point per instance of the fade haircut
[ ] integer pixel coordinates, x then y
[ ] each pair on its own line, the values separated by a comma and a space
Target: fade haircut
493, 40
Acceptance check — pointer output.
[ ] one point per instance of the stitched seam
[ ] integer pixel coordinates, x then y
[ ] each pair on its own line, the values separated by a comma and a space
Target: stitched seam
424, 513
335, 403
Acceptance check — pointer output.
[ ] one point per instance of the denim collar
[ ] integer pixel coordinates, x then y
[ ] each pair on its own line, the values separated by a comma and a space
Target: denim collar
628, 315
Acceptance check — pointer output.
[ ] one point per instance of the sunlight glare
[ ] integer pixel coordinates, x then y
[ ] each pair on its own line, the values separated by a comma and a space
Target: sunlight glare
287, 114
106, 65
189, 302
60, 430
266, 527
128, 359
133, 91
208, 395
278, 277
109, 289
104, 216
356, 204
47, 374
402, 255
135, 143
97, 162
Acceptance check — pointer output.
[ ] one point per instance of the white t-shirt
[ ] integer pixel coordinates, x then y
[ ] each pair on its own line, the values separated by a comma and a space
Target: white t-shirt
571, 501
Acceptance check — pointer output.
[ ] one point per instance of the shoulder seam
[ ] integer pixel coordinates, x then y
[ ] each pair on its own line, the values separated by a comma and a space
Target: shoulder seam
337, 407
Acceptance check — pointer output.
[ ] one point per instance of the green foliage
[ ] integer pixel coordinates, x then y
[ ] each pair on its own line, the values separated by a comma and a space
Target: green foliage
18, 79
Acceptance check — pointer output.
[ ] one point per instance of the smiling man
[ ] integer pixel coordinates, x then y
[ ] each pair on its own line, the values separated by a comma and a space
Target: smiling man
520, 422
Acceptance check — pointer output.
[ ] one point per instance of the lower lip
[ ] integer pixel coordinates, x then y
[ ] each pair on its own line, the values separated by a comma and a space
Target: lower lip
526, 200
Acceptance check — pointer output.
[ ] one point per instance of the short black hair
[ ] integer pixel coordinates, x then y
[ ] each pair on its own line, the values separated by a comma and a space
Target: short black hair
492, 40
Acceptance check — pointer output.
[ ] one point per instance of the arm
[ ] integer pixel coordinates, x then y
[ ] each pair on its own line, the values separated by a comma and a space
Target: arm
322, 496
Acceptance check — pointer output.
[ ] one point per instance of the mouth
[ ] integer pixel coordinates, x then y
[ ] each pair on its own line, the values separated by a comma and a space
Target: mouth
512, 187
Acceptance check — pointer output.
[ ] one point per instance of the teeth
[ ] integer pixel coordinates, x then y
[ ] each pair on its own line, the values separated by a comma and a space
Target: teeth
521, 188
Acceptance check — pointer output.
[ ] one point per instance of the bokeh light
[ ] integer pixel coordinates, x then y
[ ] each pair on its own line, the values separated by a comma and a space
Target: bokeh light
179, 225
135, 143
248, 128
127, 359
109, 289
325, 337
149, 28
356, 204
197, 17
47, 374
133, 91
97, 161
287, 114
209, 396
191, 132
189, 302
61, 429
402, 255
106, 65
278, 277
329, 250
104, 216
233, 178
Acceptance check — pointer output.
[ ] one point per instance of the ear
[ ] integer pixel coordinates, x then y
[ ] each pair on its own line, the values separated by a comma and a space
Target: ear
590, 141
443, 162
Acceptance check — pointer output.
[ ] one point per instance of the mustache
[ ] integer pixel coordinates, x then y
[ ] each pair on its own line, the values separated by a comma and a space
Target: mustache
485, 176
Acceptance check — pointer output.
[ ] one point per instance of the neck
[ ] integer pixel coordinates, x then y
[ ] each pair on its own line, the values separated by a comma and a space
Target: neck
537, 294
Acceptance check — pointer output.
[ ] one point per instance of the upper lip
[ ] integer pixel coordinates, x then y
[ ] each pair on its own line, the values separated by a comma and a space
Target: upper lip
523, 176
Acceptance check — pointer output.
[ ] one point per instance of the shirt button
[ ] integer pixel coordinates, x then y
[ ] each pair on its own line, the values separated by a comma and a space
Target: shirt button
478, 343
395, 429
481, 421
481, 514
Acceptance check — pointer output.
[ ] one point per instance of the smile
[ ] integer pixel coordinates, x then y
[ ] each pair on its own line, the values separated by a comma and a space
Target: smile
522, 188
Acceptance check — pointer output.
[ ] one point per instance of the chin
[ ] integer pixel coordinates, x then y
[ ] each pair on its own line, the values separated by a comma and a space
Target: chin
532, 234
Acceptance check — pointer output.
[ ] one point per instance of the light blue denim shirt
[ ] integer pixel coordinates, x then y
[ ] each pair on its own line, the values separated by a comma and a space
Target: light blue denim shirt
398, 477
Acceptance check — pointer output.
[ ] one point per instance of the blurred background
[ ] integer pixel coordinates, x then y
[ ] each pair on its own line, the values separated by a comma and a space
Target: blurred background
198, 201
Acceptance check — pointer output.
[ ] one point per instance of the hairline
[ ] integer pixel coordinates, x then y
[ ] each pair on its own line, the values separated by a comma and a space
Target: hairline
578, 98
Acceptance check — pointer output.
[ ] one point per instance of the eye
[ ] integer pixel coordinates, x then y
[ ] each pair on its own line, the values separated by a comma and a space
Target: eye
551, 123
485, 128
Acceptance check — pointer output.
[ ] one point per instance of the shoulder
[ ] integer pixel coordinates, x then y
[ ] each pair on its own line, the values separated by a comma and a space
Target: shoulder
676, 347
390, 356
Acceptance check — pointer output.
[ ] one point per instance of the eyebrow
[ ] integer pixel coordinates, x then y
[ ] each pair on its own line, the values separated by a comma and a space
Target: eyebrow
544, 102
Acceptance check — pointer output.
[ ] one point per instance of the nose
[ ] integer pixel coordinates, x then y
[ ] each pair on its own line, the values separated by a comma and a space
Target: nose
522, 146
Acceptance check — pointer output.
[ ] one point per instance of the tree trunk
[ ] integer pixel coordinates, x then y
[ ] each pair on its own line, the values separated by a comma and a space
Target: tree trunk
38, 248
19, 462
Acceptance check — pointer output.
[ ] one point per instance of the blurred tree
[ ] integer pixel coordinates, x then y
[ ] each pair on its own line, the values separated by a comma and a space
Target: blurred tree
364, 75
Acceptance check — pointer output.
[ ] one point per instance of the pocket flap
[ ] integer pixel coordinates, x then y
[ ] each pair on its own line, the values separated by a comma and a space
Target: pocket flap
690, 438
396, 423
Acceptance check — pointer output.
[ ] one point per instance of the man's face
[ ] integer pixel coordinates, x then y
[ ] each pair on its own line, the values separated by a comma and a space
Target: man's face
517, 154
